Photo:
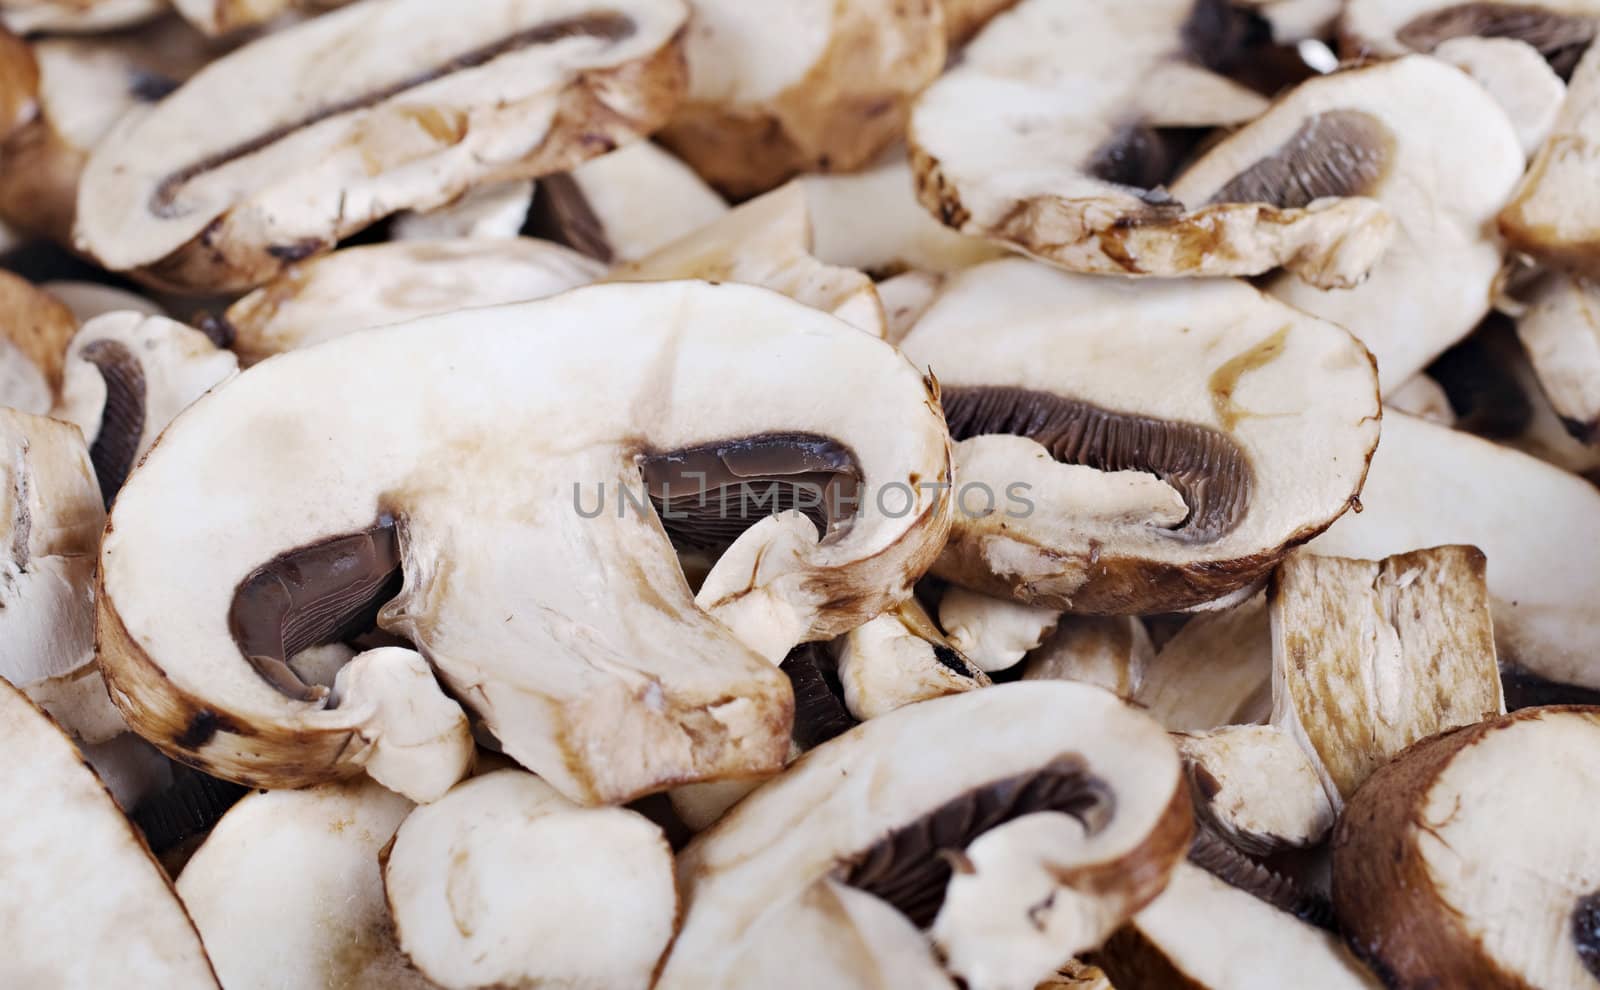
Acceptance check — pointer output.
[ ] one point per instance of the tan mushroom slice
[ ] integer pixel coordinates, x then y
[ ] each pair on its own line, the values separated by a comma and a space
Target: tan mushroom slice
1561, 332
127, 376
1050, 796
70, 16
799, 86
423, 107
1519, 79
35, 329
381, 284
88, 300
623, 206
1371, 656
223, 16
1216, 671
1256, 787
493, 211
1205, 934
994, 633
1537, 524
1046, 138
1440, 155
1454, 903
1554, 215
504, 882
1112, 652
50, 520
766, 242
1424, 398
461, 458
85, 904
899, 659
1081, 487
1559, 29
905, 297
287, 892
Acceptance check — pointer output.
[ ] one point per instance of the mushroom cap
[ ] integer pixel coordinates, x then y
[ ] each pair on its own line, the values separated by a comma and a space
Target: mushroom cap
455, 448
1559, 29
93, 911
1261, 461
1555, 214
870, 807
503, 882
422, 108
1255, 786
286, 891
1489, 874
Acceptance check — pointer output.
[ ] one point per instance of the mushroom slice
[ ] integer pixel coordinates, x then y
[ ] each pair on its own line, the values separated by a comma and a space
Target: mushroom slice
127, 376
504, 882
50, 521
1561, 332
424, 107
1046, 138
899, 659
1423, 397
88, 300
1207, 934
1519, 79
766, 242
1559, 29
413, 739
993, 633
1370, 656
1396, 124
460, 458
34, 332
965, 18
223, 16
806, 85
1108, 651
1055, 811
85, 904
1217, 670
1538, 524
493, 211
1083, 488
381, 284
1455, 903
1551, 215
1256, 788
321, 923
625, 205
68, 16
905, 298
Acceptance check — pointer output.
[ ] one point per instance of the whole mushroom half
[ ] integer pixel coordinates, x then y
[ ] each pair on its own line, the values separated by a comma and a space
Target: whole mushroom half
507, 484
395, 108
1081, 488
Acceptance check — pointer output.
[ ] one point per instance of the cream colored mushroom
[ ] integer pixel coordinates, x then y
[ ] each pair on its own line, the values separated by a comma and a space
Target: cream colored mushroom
993, 633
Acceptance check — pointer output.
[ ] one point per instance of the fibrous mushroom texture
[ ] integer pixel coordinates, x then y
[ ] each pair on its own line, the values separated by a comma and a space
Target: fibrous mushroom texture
1080, 487
222, 16
34, 332
995, 633
499, 465
1538, 525
286, 891
1468, 862
28, 16
505, 883
1561, 332
1560, 29
1216, 671
1555, 216
1254, 786
1047, 138
424, 105
1427, 142
781, 87
85, 904
499, 210
899, 659
382, 284
1112, 652
1054, 812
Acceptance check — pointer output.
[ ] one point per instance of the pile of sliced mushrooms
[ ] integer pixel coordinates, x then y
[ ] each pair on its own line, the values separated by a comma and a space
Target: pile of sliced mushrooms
718, 494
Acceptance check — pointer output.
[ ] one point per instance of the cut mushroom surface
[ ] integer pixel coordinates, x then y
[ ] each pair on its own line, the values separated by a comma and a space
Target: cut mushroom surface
493, 211
899, 659
1216, 671
1047, 138
85, 903
1112, 652
88, 300
1434, 148
321, 922
68, 16
1559, 29
1519, 79
1081, 488
1553, 216
390, 480
1430, 888
993, 632
423, 106
415, 740
1058, 811
503, 882
1256, 787
382, 284
1561, 333
34, 332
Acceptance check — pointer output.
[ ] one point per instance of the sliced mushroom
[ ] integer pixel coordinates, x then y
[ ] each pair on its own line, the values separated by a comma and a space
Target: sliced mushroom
1440, 155
1539, 525
1206, 934
1292, 21
1047, 138
286, 891
1254, 786
1082, 488
127, 376
1552, 216
766, 242
504, 882
624, 206
1112, 652
1561, 332
965, 18
423, 107
1559, 29
223, 16
67, 16
807, 85
84, 902
994, 633
1054, 812
382, 284
1488, 874
493, 211
88, 300
460, 457
34, 332
899, 659
411, 738
1216, 671
905, 297
1519, 79
1423, 397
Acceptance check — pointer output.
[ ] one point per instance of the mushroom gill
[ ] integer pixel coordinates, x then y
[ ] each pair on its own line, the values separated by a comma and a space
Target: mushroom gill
1560, 37
1337, 153
116, 446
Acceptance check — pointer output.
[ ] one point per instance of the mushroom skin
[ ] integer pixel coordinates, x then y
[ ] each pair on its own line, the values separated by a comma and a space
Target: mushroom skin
402, 435
1424, 883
